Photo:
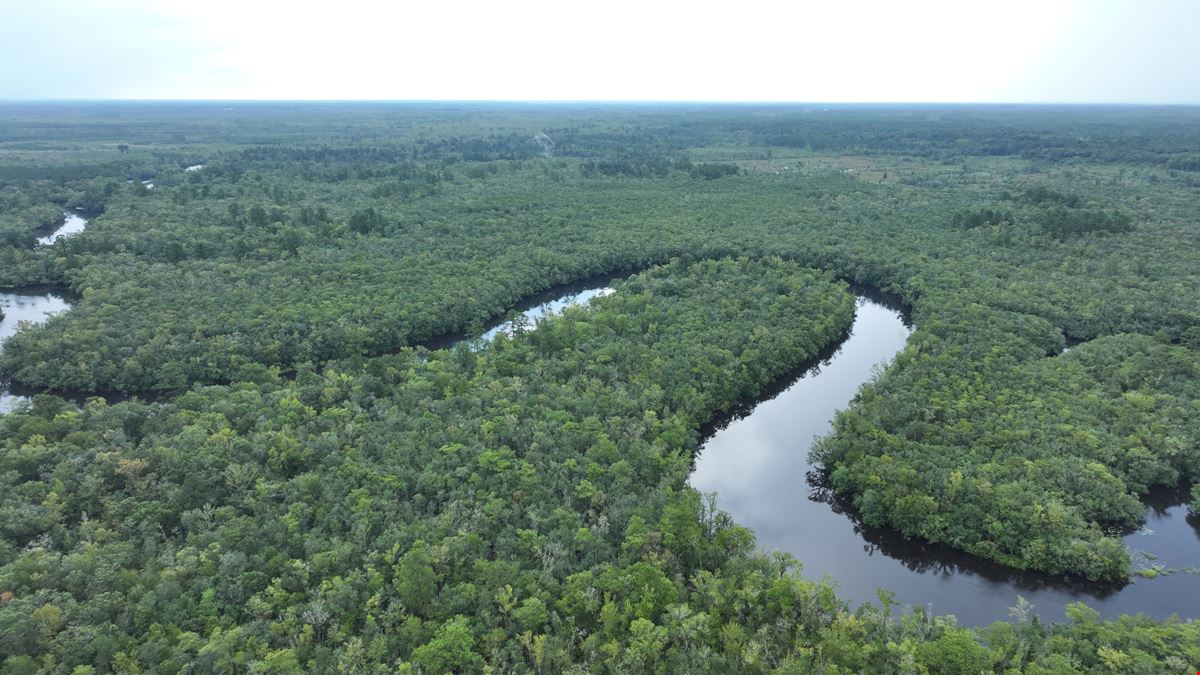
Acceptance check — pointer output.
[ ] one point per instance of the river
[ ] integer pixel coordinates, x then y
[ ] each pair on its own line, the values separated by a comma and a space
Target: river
758, 465
73, 223
33, 304
529, 311
530, 316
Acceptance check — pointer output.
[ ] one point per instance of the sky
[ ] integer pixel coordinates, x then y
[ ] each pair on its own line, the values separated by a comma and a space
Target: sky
1019, 51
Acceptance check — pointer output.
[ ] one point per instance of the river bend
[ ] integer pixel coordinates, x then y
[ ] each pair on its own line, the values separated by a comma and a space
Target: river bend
758, 466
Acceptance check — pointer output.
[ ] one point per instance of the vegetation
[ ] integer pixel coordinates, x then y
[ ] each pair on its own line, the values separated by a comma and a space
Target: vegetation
318, 494
1040, 462
377, 500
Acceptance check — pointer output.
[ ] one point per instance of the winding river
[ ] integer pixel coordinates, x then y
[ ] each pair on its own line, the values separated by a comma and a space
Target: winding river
758, 465
33, 304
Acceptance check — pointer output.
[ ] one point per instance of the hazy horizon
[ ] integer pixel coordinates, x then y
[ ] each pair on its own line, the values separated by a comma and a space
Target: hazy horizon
932, 52
611, 102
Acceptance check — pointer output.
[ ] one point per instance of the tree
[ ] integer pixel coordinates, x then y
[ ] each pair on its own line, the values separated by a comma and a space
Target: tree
451, 650
414, 579
366, 221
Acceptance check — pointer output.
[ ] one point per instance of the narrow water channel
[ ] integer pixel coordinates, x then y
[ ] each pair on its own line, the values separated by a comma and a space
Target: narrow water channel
530, 317
758, 465
529, 311
73, 223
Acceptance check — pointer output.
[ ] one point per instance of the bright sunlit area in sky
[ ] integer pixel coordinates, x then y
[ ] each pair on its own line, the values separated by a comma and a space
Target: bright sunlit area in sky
1072, 51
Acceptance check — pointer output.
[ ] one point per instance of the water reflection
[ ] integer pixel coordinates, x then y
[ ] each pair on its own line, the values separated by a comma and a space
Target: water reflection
73, 223
530, 310
28, 305
530, 317
757, 461
32, 305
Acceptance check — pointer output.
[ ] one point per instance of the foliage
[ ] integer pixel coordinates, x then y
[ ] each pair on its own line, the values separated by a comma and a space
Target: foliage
1027, 459
346, 501
981, 217
1063, 222
377, 500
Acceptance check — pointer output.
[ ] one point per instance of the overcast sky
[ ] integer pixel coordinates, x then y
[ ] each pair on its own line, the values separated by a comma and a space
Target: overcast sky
1135, 51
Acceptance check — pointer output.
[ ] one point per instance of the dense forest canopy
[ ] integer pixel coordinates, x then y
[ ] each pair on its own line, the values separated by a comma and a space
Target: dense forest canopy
315, 491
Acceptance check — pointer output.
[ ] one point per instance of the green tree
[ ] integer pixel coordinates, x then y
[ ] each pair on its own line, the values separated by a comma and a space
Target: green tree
451, 650
415, 579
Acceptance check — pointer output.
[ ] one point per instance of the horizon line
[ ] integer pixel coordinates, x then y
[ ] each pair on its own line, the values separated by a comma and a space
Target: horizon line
524, 101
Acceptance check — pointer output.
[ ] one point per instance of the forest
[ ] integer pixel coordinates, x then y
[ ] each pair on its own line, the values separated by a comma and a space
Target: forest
274, 471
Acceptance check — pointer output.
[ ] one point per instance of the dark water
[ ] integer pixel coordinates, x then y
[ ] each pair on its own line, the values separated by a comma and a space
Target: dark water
759, 467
